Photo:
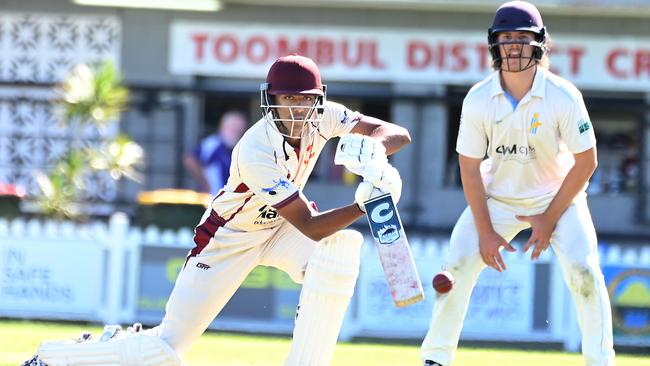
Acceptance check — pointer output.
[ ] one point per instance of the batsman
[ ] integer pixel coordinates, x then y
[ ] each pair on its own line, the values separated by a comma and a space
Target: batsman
262, 217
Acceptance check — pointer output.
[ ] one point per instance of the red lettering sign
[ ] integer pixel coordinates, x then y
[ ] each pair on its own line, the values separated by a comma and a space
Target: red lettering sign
642, 62
258, 49
612, 58
418, 55
458, 54
199, 40
375, 62
226, 48
351, 58
575, 53
283, 47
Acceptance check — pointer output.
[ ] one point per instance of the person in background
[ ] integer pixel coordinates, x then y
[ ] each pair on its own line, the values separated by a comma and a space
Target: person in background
209, 162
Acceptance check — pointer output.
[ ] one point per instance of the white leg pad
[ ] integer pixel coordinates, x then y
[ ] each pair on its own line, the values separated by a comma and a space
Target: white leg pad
329, 283
128, 350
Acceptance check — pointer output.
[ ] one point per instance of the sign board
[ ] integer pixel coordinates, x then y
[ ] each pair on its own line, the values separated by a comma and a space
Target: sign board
391, 55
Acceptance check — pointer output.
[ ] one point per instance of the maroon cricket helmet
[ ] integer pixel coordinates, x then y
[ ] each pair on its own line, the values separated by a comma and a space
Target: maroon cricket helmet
294, 74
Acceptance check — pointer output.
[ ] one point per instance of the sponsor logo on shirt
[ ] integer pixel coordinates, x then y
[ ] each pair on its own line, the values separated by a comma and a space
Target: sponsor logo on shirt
267, 215
534, 124
279, 184
267, 212
584, 126
520, 153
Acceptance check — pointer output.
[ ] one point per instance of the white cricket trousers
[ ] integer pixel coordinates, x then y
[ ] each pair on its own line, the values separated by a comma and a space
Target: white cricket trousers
210, 279
575, 245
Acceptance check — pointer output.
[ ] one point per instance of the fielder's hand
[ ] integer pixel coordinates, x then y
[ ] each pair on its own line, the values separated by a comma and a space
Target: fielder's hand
540, 238
388, 182
356, 152
489, 244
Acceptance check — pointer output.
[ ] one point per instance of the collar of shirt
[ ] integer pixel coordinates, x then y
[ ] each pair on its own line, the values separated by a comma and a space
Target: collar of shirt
537, 90
280, 146
285, 155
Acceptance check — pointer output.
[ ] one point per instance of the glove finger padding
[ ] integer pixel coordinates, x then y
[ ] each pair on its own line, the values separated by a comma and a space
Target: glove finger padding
390, 182
365, 191
354, 151
374, 170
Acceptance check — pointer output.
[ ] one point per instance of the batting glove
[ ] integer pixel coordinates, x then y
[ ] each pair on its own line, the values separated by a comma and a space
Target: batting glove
388, 182
356, 152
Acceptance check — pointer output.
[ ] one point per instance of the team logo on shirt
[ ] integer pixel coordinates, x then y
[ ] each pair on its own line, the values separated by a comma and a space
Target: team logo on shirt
280, 183
534, 124
583, 126
348, 118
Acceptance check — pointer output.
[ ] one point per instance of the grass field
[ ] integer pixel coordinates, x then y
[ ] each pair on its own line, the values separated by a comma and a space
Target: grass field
19, 340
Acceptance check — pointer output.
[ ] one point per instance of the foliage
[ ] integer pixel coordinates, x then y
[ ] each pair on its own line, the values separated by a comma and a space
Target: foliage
89, 97
93, 95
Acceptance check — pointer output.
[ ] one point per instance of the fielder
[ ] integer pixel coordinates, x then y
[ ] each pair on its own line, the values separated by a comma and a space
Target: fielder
541, 151
261, 217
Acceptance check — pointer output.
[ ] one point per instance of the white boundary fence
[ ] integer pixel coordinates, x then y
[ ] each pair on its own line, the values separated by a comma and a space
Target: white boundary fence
115, 273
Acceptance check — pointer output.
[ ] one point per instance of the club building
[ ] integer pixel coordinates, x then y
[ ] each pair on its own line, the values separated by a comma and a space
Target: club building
410, 62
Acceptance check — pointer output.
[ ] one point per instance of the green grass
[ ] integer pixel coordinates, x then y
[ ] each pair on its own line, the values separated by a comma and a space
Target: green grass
19, 340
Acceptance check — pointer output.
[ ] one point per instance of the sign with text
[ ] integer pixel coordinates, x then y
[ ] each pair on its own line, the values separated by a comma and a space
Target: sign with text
267, 293
35, 277
389, 55
502, 302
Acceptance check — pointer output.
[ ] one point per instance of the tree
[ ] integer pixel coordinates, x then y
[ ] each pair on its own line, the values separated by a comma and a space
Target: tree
89, 95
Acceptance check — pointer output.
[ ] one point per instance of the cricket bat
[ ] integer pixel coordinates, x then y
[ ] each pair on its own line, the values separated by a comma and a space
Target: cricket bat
394, 251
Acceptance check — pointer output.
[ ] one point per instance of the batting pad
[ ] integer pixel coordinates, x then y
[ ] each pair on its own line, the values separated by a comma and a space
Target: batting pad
129, 350
331, 274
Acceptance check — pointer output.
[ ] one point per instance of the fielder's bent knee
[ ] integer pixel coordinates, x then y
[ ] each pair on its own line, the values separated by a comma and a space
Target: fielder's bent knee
582, 280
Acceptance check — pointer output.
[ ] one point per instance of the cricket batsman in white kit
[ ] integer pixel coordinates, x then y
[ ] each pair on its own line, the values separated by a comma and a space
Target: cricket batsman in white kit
541, 151
261, 217
270, 167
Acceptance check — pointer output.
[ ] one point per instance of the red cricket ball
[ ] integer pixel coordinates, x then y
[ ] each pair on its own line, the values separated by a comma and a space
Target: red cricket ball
443, 282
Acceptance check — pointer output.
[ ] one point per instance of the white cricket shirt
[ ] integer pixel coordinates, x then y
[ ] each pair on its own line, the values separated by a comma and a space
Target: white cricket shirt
267, 173
529, 148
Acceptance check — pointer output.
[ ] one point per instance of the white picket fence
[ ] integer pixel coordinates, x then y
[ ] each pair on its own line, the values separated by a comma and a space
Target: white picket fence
97, 272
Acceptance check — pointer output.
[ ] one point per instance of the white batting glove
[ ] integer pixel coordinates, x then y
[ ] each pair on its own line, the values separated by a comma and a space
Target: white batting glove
356, 151
388, 182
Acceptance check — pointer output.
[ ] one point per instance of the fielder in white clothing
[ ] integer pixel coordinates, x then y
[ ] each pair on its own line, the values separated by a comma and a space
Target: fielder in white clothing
541, 151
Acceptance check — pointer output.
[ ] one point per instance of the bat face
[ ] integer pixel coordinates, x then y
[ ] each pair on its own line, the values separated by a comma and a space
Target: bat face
394, 251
